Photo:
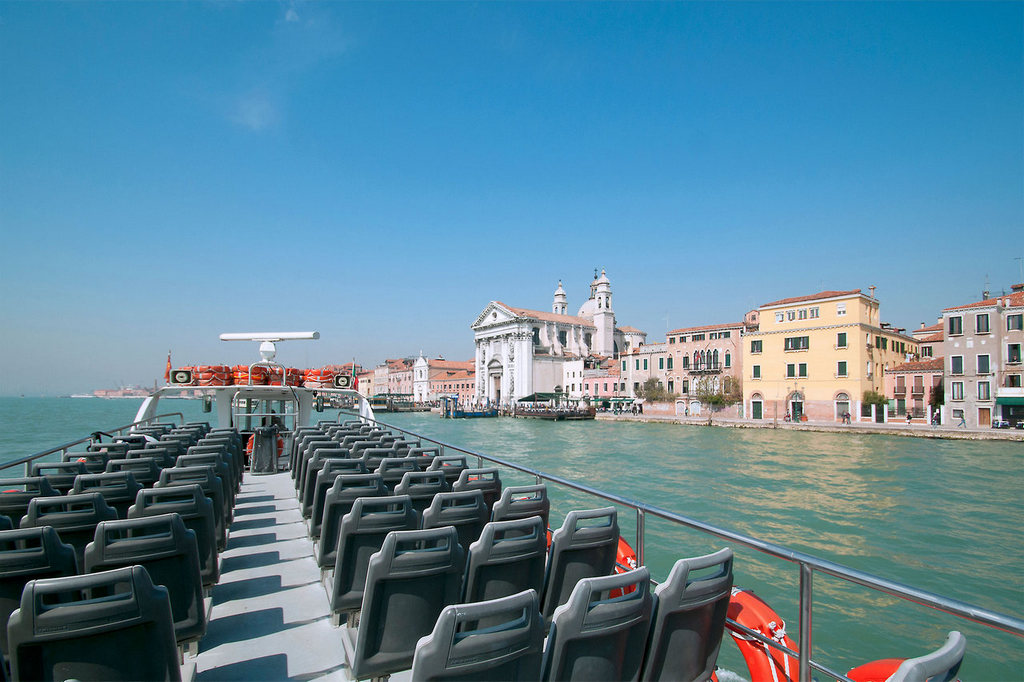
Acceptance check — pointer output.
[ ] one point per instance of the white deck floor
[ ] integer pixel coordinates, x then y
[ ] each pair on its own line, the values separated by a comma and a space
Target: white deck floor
270, 617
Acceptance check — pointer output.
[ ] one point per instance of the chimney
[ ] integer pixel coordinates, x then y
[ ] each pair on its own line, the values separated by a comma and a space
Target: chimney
872, 290
922, 325
984, 295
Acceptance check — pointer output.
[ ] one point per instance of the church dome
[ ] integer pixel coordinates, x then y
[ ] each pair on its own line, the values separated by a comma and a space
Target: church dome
588, 309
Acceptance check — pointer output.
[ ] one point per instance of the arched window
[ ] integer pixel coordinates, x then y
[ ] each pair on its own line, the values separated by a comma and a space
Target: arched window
714, 361
696, 359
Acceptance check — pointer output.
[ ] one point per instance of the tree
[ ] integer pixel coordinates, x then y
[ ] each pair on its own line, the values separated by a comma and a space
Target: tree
717, 394
652, 389
938, 397
874, 398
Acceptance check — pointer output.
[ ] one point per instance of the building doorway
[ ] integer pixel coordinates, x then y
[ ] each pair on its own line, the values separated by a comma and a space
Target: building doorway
842, 406
984, 416
796, 406
756, 406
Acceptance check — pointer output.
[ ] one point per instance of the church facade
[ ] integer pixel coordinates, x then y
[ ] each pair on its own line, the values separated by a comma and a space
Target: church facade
520, 351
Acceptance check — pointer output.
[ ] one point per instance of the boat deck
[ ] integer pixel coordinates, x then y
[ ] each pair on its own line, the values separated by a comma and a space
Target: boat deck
270, 617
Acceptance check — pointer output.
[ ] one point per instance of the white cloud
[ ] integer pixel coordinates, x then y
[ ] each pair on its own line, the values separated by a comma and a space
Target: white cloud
291, 15
255, 110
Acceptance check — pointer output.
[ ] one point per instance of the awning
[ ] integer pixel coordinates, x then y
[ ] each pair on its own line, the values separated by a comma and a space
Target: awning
540, 397
1010, 400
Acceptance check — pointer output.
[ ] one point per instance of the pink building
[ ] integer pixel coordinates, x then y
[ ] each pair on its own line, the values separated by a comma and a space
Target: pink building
910, 385
603, 382
457, 382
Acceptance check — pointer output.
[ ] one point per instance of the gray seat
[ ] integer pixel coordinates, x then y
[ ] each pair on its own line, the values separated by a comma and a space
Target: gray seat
233, 473
392, 469
584, 547
508, 558
118, 488
373, 456
523, 501
164, 458
451, 465
338, 502
421, 487
61, 632
595, 636
459, 648
307, 453
213, 488
362, 533
95, 462
409, 581
942, 665
144, 469
307, 490
220, 467
114, 450
74, 517
465, 511
486, 481
27, 554
16, 493
332, 468
689, 618
60, 475
168, 551
196, 512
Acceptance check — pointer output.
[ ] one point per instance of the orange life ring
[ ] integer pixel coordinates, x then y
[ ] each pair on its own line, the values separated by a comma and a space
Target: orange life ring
765, 663
252, 439
875, 671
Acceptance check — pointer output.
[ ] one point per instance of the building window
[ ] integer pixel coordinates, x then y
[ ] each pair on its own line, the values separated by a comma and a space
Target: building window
956, 364
779, 317
756, 372
686, 362
562, 339
671, 386
926, 351
536, 336
725, 335
803, 369
671, 339
670, 362
803, 314
1013, 353
797, 342
840, 309
661, 363
728, 359
956, 326
841, 340
1015, 322
697, 337
755, 346
984, 391
686, 385
981, 323
605, 385
588, 340
638, 364
645, 363
814, 313
956, 390
790, 315
983, 366
841, 369
791, 371
623, 365
636, 386
1013, 381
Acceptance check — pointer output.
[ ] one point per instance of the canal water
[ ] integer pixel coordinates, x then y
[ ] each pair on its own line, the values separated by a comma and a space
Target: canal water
943, 516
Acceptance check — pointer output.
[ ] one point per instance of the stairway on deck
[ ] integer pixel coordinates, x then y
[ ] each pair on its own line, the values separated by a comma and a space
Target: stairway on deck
270, 617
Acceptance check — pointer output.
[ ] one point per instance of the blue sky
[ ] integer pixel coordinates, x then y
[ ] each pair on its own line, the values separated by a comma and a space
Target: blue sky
380, 171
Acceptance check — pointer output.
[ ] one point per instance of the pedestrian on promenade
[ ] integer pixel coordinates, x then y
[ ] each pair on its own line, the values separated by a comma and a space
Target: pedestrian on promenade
908, 419
963, 422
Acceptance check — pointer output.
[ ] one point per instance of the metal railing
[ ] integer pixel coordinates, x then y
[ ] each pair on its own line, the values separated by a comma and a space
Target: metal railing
64, 447
808, 564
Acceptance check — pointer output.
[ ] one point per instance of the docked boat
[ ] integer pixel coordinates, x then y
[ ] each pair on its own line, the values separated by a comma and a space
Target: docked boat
273, 544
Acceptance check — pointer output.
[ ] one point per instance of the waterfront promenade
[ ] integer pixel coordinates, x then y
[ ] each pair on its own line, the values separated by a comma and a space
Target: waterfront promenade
890, 429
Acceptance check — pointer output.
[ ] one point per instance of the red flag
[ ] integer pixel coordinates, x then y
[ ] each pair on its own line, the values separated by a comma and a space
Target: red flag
167, 372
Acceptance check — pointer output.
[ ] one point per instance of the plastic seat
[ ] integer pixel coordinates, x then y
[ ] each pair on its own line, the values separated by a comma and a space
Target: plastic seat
134, 440
307, 454
114, 450
459, 648
508, 558
392, 469
15, 494
689, 618
234, 448
421, 487
176, 447
196, 512
523, 501
465, 511
595, 636
168, 551
74, 517
144, 469
584, 547
61, 475
324, 481
95, 462
213, 488
338, 502
409, 581
234, 471
164, 458
61, 632
942, 665
486, 481
451, 465
313, 467
220, 467
118, 488
362, 533
27, 554
373, 456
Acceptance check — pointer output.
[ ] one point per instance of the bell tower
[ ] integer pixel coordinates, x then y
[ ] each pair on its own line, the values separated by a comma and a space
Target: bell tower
604, 316
560, 303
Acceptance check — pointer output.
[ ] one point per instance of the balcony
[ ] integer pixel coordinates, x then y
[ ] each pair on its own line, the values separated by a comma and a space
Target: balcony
917, 391
900, 390
709, 368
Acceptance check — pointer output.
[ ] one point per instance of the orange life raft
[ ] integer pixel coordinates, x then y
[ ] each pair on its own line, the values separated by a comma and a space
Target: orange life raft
765, 663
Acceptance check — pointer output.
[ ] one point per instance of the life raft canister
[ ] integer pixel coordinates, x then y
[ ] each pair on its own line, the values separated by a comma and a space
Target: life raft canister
765, 663
252, 439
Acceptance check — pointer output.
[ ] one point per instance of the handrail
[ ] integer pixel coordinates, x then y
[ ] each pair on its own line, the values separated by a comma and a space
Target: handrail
70, 444
808, 564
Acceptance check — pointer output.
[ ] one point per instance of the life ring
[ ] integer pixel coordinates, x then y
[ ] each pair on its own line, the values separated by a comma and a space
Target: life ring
252, 439
875, 671
765, 663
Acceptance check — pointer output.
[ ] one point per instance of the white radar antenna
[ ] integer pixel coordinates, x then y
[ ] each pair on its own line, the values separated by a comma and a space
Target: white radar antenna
267, 340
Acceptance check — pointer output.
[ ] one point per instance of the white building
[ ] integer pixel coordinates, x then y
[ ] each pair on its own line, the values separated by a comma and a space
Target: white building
521, 351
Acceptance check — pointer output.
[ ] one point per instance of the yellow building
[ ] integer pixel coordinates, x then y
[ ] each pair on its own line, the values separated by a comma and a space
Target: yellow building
817, 355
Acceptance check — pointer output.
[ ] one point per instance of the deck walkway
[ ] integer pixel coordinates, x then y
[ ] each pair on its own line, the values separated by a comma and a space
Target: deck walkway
270, 617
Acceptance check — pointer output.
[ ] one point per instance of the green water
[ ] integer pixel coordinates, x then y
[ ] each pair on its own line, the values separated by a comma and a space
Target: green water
943, 516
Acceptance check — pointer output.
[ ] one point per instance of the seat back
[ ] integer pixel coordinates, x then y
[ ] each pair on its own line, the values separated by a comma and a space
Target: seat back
584, 547
595, 636
118, 488
114, 450
486, 481
689, 618
421, 486
164, 457
508, 558
338, 502
451, 465
332, 468
61, 475
213, 488
227, 455
73, 516
307, 454
95, 462
15, 494
307, 490
466, 511
27, 554
409, 581
392, 469
942, 665
373, 456
62, 632
460, 648
168, 551
220, 467
362, 533
196, 512
522, 501
143, 469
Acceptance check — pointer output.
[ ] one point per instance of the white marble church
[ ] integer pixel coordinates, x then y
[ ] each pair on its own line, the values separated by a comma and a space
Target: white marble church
521, 351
